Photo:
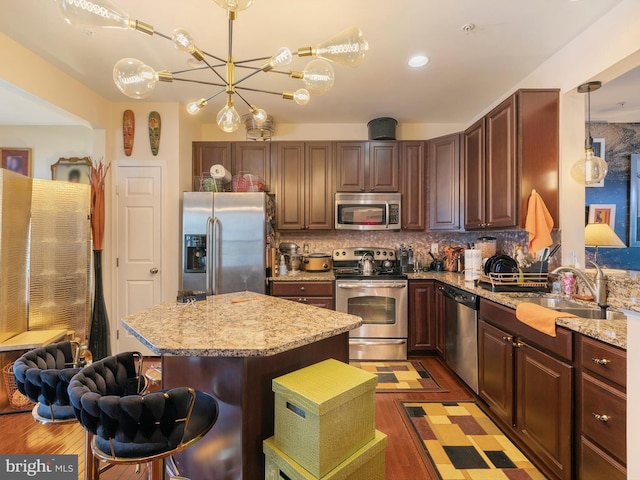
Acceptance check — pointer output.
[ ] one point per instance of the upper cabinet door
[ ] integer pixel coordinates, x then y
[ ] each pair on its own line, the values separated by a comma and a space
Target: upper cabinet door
290, 185
501, 166
474, 176
383, 172
319, 186
444, 182
206, 154
253, 158
351, 158
413, 185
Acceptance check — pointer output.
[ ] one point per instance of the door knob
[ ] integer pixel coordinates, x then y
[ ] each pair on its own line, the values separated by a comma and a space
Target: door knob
153, 270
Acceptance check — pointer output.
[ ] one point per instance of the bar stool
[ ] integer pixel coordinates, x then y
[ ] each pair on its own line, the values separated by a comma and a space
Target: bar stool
43, 375
124, 426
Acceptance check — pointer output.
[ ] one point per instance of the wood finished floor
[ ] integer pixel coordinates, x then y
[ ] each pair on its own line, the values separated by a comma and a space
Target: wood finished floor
20, 434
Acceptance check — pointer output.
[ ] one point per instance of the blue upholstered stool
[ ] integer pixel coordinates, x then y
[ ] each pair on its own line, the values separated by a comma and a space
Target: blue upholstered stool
43, 375
125, 426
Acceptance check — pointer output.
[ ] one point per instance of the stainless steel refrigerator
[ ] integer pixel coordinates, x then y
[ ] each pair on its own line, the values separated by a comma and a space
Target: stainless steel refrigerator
225, 237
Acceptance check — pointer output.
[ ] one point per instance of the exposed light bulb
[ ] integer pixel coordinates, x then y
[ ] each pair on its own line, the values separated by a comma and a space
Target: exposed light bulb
347, 47
93, 13
318, 76
228, 118
281, 58
182, 40
194, 107
259, 115
134, 78
235, 5
301, 96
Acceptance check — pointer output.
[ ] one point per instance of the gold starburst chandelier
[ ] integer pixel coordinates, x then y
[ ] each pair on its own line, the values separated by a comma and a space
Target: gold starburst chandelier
137, 80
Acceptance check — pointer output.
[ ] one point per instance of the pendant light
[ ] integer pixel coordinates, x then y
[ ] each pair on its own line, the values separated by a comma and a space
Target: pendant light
590, 169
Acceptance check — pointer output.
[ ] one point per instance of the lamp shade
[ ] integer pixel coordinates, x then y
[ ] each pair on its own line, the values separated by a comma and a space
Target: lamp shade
601, 235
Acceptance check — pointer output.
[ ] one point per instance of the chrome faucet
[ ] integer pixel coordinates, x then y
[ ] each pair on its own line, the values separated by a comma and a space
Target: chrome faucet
597, 287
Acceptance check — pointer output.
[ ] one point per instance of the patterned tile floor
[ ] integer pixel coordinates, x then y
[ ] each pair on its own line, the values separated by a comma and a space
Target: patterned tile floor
400, 376
462, 443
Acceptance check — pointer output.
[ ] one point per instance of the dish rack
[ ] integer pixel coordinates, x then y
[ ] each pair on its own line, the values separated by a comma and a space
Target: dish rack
515, 282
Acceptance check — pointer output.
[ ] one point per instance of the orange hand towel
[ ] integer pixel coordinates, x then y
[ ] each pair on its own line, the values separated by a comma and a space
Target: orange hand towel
539, 317
538, 223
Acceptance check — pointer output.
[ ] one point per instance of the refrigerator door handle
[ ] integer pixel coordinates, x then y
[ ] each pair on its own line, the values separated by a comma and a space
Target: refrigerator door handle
211, 245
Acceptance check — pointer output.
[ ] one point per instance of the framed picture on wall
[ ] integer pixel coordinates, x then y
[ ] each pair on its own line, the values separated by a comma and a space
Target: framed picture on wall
598, 151
17, 160
602, 213
75, 170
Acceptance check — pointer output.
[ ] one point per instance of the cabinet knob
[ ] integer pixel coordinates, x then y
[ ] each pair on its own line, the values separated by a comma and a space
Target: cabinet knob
302, 300
153, 271
601, 418
302, 288
507, 339
601, 361
518, 344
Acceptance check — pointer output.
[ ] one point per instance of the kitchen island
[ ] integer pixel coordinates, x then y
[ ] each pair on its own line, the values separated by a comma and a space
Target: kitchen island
231, 346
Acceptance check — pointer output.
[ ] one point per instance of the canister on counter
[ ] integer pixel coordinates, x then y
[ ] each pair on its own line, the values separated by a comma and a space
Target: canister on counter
487, 246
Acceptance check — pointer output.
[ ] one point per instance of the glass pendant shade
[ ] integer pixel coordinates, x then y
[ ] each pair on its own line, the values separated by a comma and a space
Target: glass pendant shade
235, 5
228, 118
98, 13
134, 78
347, 48
318, 76
590, 169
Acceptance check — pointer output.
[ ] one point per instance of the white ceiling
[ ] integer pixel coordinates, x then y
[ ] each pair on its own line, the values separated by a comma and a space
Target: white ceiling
467, 71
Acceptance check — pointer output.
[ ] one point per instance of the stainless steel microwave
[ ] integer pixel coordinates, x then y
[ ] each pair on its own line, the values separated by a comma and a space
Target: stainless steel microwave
368, 211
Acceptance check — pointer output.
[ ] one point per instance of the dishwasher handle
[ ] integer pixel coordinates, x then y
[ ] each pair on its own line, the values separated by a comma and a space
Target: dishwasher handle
460, 296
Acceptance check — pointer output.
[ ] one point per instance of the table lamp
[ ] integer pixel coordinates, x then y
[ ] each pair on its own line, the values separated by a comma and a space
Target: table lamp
601, 235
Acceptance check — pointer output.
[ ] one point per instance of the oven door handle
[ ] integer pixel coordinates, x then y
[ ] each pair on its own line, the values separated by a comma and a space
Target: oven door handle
372, 285
382, 342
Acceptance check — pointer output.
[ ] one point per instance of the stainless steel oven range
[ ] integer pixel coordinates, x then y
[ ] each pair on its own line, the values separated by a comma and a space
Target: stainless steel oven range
370, 284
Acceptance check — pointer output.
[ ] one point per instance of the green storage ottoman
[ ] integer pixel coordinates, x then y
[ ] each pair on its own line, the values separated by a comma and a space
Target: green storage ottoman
324, 413
367, 463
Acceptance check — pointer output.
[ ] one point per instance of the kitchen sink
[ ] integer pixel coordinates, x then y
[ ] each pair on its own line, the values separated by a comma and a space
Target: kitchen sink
554, 303
575, 308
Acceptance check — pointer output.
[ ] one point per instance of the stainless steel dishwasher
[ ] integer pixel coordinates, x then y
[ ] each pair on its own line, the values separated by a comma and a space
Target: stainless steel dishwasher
461, 334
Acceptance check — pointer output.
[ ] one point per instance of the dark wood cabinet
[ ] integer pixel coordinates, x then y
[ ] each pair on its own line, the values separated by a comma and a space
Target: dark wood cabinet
439, 314
351, 159
413, 177
383, 172
304, 185
367, 167
508, 153
206, 154
254, 158
527, 387
422, 315
318, 294
444, 182
237, 157
601, 414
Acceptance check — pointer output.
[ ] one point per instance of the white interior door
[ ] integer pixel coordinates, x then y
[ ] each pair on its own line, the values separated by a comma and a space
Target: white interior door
139, 249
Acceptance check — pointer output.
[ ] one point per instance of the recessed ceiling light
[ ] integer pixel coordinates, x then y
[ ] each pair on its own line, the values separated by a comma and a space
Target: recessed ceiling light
418, 61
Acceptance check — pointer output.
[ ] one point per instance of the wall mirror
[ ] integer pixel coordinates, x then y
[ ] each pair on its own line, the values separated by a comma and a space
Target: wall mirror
615, 119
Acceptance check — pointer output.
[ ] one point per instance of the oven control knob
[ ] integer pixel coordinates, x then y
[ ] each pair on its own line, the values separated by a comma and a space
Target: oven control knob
391, 253
344, 253
384, 252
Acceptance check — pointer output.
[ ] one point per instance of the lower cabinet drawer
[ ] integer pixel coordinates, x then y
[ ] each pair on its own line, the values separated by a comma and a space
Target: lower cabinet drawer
322, 302
282, 289
604, 416
597, 465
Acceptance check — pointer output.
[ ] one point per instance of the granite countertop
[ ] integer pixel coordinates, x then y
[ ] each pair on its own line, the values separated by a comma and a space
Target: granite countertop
243, 324
613, 332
